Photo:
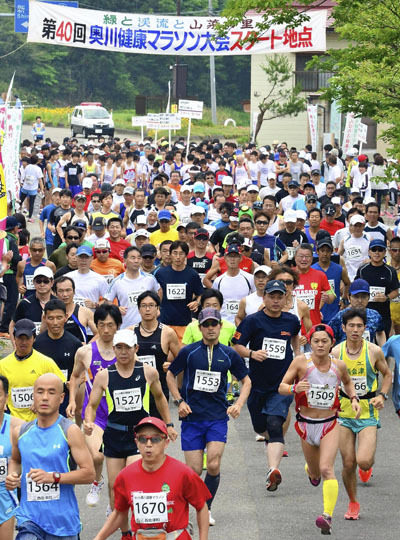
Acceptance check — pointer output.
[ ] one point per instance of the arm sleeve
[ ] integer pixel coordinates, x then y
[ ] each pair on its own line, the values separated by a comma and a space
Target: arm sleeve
194, 490
179, 363
238, 367
380, 327
242, 334
121, 501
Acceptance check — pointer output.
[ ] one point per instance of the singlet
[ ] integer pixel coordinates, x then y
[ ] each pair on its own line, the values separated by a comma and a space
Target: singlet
108, 174
129, 172
53, 507
150, 352
5, 455
201, 264
252, 303
28, 275
90, 168
75, 327
365, 381
96, 363
324, 391
126, 396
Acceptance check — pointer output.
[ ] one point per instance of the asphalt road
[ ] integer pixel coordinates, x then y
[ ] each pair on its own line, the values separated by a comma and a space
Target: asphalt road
58, 134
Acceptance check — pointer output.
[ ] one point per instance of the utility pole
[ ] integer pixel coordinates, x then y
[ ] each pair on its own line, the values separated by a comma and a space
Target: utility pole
212, 77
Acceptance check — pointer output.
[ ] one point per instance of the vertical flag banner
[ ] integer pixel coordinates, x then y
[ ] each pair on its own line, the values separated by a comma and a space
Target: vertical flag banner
335, 121
350, 135
312, 112
10, 150
3, 190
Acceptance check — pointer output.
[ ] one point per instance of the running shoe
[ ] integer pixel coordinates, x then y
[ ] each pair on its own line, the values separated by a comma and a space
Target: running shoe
230, 398
127, 535
260, 438
274, 478
211, 520
93, 497
313, 481
324, 523
365, 476
285, 453
353, 511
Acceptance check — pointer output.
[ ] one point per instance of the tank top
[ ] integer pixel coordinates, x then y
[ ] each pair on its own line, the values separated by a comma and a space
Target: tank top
273, 227
253, 302
75, 218
51, 506
28, 275
108, 174
200, 264
75, 327
129, 172
126, 396
365, 380
241, 174
96, 363
150, 351
334, 275
324, 391
90, 168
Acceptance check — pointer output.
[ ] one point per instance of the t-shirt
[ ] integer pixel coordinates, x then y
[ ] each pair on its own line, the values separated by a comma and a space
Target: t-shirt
45, 216
392, 348
233, 289
309, 290
21, 375
275, 246
289, 238
89, 286
205, 379
30, 308
31, 176
61, 350
176, 484
157, 237
374, 325
381, 278
178, 289
376, 232
331, 227
106, 217
127, 291
118, 248
273, 334
73, 170
218, 236
109, 269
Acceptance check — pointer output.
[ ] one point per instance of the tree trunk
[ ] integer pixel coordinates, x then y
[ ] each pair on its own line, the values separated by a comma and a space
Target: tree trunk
260, 119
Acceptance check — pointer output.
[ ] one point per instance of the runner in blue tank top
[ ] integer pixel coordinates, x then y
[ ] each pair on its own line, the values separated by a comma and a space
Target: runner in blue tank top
43, 452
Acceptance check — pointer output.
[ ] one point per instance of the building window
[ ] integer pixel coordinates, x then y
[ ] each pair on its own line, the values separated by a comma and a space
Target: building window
310, 80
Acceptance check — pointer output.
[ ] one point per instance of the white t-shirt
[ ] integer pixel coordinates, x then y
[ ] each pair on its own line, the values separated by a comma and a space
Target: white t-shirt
268, 191
355, 253
89, 286
335, 172
362, 182
30, 177
320, 189
254, 167
184, 212
288, 201
233, 290
126, 291
265, 169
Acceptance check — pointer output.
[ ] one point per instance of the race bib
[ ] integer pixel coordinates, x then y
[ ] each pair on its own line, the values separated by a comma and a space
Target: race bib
332, 284
149, 359
373, 291
79, 300
132, 298
3, 468
290, 251
176, 291
321, 397
353, 252
29, 179
37, 327
72, 172
206, 381
41, 492
366, 335
307, 297
127, 400
232, 307
29, 282
22, 398
276, 348
109, 278
150, 507
360, 385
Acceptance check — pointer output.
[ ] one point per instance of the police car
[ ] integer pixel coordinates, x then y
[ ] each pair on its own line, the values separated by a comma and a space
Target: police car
91, 119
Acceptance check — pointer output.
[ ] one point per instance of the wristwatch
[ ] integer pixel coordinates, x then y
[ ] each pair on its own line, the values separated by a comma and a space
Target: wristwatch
177, 402
171, 424
385, 396
56, 477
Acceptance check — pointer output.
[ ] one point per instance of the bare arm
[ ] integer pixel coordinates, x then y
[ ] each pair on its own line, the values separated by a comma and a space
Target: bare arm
203, 522
76, 377
215, 268
99, 386
13, 479
114, 522
234, 410
64, 219
153, 380
241, 314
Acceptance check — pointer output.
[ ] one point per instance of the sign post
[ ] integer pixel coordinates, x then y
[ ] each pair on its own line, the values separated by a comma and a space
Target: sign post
139, 121
362, 134
190, 109
21, 12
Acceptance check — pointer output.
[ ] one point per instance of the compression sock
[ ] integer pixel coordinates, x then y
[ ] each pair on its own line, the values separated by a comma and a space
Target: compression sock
330, 490
212, 482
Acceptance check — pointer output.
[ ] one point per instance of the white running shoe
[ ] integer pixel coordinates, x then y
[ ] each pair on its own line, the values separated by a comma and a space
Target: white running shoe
259, 438
93, 497
211, 520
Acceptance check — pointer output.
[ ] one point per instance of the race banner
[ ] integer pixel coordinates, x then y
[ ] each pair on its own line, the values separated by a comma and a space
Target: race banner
350, 132
159, 34
3, 190
10, 150
312, 111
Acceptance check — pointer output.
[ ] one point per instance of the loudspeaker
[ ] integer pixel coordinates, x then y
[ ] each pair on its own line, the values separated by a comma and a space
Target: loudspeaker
179, 83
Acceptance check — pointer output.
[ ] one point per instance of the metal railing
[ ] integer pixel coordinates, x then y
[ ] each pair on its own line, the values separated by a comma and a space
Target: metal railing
312, 81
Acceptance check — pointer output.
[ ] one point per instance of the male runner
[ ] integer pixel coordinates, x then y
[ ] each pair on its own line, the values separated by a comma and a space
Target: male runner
364, 361
89, 360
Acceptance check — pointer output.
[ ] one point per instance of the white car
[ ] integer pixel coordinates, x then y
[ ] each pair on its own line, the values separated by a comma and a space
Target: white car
91, 119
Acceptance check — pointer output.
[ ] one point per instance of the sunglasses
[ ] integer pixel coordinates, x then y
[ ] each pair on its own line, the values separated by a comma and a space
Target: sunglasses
395, 250
207, 324
378, 249
258, 222
287, 281
163, 220
102, 251
42, 280
148, 256
72, 237
39, 250
154, 439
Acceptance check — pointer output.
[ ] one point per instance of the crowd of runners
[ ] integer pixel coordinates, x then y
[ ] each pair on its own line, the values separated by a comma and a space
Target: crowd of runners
195, 279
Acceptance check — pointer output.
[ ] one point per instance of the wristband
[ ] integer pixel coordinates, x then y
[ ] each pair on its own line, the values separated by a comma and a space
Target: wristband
355, 397
291, 388
251, 354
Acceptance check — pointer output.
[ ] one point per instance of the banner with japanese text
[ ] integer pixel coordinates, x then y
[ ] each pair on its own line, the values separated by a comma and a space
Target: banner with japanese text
10, 150
3, 190
312, 112
158, 34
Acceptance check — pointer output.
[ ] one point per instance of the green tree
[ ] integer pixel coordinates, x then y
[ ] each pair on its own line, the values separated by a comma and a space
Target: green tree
281, 100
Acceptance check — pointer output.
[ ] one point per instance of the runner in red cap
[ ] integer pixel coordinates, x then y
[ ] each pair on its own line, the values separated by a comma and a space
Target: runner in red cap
314, 378
158, 490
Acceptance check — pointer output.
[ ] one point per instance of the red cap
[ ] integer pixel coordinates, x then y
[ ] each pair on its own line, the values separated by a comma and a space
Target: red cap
152, 421
321, 328
362, 157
